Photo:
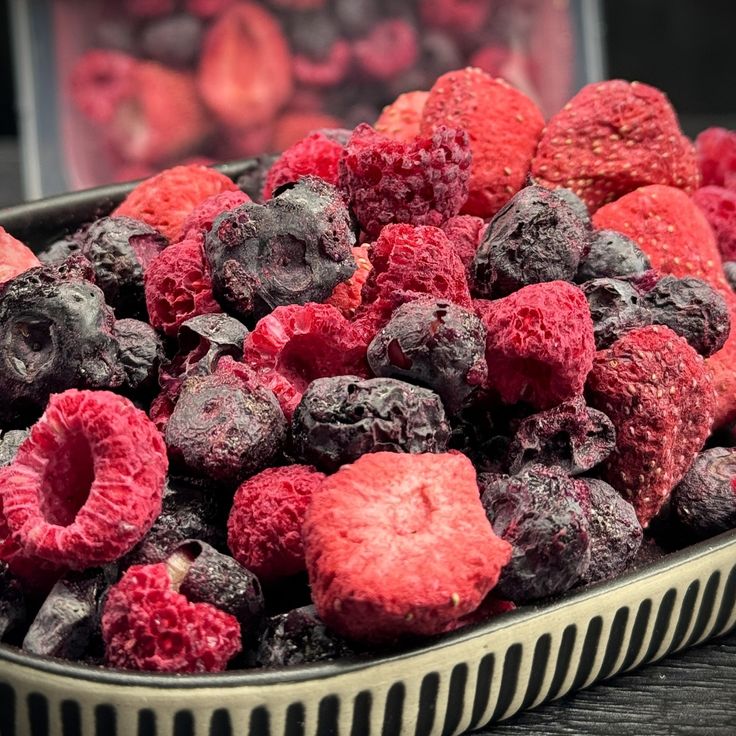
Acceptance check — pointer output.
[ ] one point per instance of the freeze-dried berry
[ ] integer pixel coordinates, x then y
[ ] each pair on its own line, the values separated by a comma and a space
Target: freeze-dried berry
140, 353
173, 40
537, 512
164, 201
705, 499
10, 441
57, 334
15, 258
729, 268
298, 637
325, 72
423, 181
465, 233
264, 529
355, 16
61, 249
87, 484
390, 47
12, 604
488, 609
293, 125
255, 172
719, 207
540, 344
178, 286
659, 394
384, 515
716, 151
436, 344
439, 52
693, 309
200, 220
293, 346
571, 435
294, 249
535, 237
612, 138
615, 533
611, 254
100, 81
343, 417
312, 32
316, 155
400, 120
148, 625
121, 250
347, 296
573, 201
616, 307
503, 125
224, 427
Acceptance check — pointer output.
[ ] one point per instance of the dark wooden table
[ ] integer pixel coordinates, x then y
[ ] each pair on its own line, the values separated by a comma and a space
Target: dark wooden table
690, 693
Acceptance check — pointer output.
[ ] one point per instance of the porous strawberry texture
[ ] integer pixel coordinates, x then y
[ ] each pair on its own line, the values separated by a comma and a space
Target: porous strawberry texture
401, 119
399, 545
15, 257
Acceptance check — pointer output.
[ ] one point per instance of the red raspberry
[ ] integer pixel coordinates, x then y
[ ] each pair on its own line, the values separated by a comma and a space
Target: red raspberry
293, 345
390, 48
244, 71
292, 126
164, 201
658, 392
719, 207
399, 544
462, 16
400, 120
264, 531
422, 182
465, 233
540, 343
199, 221
14, 257
612, 138
87, 484
208, 8
149, 8
325, 72
716, 151
148, 625
318, 155
503, 124
347, 295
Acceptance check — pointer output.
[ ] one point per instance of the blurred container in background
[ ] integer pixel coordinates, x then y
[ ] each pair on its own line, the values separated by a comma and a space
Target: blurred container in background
111, 91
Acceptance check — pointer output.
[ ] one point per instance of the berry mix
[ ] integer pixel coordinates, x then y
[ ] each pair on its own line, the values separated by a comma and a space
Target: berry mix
398, 381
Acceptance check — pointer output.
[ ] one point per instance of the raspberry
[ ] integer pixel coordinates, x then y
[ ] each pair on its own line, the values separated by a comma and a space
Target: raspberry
87, 484
240, 92
435, 344
716, 151
326, 72
462, 16
611, 254
294, 249
100, 81
400, 120
148, 625
719, 207
13, 611
658, 392
503, 125
571, 436
540, 344
178, 286
165, 200
387, 514
316, 155
15, 258
390, 47
705, 498
121, 250
200, 220
347, 296
291, 126
140, 353
420, 182
465, 233
616, 307
621, 136
173, 41
536, 237
264, 530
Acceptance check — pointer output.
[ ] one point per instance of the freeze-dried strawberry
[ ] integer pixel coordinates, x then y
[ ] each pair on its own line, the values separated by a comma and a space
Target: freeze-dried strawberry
326, 72
612, 138
164, 201
245, 71
293, 125
147, 624
347, 295
658, 392
400, 120
86, 486
199, 221
100, 81
540, 344
503, 125
462, 16
716, 151
178, 286
14, 257
390, 47
398, 545
465, 233
293, 345
265, 524
718, 204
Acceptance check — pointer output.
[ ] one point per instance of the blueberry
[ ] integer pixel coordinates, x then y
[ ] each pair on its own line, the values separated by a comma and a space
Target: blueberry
13, 610
59, 251
141, 352
611, 254
343, 417
173, 40
578, 206
312, 33
10, 441
616, 307
356, 17
253, 177
729, 268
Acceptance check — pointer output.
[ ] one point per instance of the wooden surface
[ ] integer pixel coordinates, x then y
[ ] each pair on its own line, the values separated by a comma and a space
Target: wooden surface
691, 693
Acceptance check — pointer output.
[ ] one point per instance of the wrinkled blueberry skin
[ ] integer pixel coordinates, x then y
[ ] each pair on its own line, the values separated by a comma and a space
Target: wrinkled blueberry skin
615, 307
538, 513
704, 501
435, 344
576, 204
343, 417
253, 178
13, 612
9, 443
294, 249
141, 353
611, 254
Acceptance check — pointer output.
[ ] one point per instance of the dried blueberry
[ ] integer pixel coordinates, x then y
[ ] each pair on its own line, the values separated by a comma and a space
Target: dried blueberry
356, 17
578, 206
434, 344
343, 417
536, 237
312, 33
12, 605
59, 251
9, 443
141, 352
729, 268
616, 307
254, 174
611, 254
173, 40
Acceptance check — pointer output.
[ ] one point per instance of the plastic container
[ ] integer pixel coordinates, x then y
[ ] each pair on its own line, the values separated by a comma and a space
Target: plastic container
116, 91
